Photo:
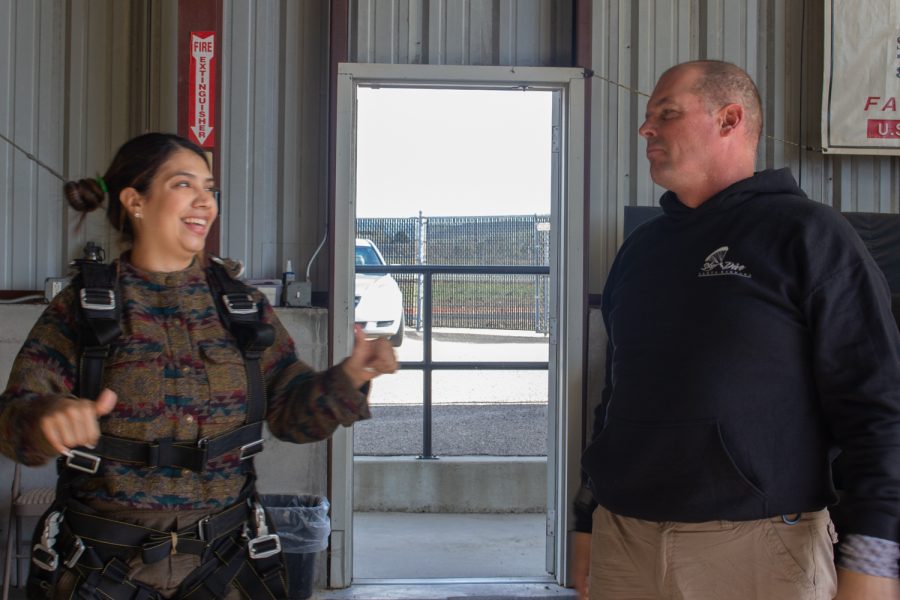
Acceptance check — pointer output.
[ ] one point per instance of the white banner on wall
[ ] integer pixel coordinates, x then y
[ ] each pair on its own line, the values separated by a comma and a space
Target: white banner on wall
861, 93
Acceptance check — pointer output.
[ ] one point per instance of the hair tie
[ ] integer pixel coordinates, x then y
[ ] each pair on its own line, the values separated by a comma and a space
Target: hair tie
102, 183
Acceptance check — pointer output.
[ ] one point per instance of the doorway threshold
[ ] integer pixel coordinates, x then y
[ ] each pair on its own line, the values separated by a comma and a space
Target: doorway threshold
446, 589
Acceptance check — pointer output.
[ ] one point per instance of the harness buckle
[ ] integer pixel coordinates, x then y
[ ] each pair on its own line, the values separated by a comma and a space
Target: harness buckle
82, 461
201, 528
76, 553
42, 554
97, 299
239, 304
44, 557
265, 544
252, 449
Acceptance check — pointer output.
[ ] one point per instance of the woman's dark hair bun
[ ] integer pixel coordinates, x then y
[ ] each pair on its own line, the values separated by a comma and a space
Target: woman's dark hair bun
84, 195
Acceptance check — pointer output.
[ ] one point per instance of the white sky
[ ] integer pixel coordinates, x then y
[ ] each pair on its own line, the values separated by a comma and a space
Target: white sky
452, 152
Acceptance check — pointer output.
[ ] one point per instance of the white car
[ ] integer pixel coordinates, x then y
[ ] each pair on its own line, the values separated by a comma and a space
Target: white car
379, 302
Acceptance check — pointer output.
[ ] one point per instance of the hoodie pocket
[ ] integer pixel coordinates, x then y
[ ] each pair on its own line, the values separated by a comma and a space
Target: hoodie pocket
670, 472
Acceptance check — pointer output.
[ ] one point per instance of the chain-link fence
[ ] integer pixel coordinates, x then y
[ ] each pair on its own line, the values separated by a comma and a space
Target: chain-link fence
518, 302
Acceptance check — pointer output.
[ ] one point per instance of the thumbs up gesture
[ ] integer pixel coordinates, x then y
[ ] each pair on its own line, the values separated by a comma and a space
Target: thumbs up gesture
73, 422
369, 359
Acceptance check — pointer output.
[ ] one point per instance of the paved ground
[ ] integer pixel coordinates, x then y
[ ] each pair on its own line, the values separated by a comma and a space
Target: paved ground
499, 413
405, 387
457, 430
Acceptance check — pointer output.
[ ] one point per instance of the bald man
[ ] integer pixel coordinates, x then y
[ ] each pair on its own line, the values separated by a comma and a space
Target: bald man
750, 338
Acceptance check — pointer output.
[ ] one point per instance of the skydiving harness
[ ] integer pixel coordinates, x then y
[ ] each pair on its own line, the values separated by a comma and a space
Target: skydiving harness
235, 546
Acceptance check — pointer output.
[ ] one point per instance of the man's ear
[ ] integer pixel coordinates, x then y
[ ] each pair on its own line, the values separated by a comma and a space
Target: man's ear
131, 200
732, 117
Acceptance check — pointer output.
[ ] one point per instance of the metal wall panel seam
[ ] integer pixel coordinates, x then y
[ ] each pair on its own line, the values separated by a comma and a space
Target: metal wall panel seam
453, 31
76, 99
507, 31
238, 85
25, 130
49, 242
778, 93
653, 51
625, 112
262, 196
314, 219
290, 135
414, 35
401, 43
7, 116
527, 52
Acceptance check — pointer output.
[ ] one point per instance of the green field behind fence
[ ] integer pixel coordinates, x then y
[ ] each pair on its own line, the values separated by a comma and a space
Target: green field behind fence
518, 302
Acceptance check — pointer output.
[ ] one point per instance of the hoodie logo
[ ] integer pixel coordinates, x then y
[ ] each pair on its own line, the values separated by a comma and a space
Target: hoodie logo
715, 265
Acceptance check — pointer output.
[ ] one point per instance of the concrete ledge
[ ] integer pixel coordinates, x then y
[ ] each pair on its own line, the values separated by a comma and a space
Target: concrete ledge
470, 484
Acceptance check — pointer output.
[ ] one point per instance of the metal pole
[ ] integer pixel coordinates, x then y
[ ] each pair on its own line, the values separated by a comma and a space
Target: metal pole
420, 259
426, 374
537, 278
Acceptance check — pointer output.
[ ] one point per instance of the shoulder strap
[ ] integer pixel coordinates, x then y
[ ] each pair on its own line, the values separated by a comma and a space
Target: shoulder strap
100, 315
241, 316
100, 310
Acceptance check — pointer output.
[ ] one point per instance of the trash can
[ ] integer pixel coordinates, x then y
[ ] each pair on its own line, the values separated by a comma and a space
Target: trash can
302, 524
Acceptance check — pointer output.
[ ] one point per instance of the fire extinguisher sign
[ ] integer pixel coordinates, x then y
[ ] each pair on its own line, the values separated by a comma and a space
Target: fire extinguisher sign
202, 81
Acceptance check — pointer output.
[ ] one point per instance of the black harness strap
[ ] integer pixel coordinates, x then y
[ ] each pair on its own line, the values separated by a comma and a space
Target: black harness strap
100, 307
263, 578
240, 315
111, 582
109, 537
185, 455
213, 578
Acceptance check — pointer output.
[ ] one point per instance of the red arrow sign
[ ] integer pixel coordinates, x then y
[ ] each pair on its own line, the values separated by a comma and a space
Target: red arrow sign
202, 88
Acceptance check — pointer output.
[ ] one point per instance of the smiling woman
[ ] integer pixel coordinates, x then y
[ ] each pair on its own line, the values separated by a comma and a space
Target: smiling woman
179, 207
151, 378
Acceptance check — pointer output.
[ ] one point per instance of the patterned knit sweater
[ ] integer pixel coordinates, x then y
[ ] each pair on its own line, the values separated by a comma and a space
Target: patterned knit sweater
178, 374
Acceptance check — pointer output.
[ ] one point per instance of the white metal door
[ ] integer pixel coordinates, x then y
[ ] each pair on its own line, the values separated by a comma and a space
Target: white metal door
566, 274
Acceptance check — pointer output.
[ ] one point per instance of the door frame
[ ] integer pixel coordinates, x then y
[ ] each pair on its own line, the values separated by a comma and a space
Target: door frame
567, 322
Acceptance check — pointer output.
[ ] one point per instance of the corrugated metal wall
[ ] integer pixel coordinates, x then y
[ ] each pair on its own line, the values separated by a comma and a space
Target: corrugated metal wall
274, 134
79, 77
73, 87
780, 43
275, 104
31, 123
462, 32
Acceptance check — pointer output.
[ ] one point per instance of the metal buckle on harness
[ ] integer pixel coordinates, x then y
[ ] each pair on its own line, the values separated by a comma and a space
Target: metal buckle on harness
76, 553
201, 528
265, 544
82, 461
97, 299
239, 304
252, 449
43, 555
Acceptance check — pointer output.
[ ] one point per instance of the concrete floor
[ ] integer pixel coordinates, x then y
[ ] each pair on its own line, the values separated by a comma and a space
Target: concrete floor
438, 546
427, 556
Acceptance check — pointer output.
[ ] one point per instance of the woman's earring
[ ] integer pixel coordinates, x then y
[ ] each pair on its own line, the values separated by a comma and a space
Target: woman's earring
137, 214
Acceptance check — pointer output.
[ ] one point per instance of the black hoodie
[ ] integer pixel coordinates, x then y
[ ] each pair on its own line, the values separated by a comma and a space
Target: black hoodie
749, 337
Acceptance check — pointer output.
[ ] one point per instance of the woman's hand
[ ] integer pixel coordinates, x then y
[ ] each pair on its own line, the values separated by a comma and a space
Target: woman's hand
369, 359
73, 422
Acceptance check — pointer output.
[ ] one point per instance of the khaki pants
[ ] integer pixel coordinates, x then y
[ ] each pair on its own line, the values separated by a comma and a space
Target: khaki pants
719, 560
165, 575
